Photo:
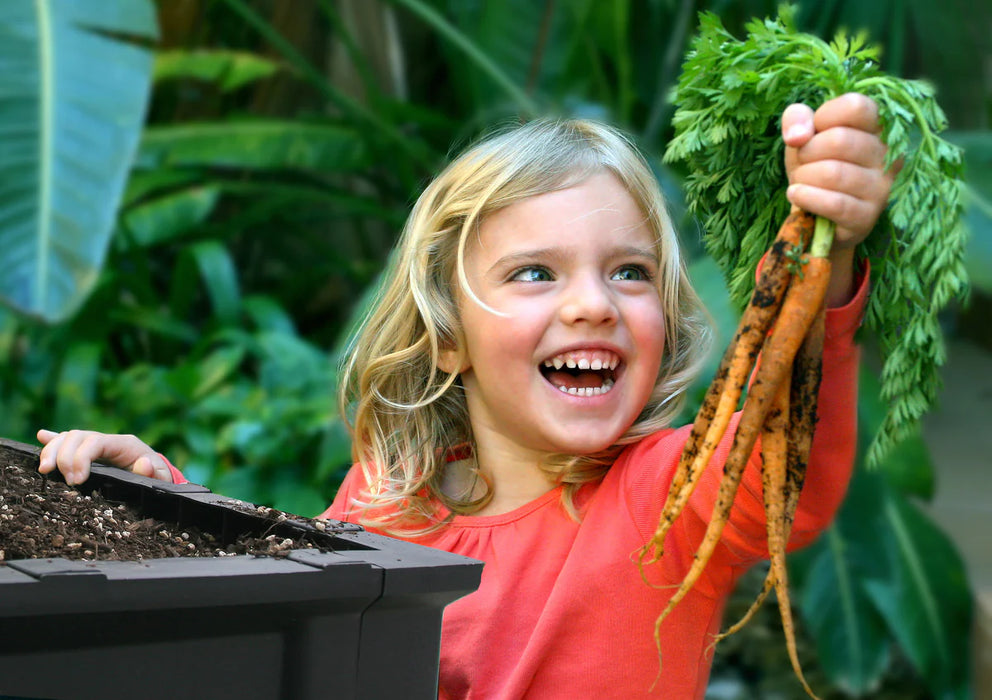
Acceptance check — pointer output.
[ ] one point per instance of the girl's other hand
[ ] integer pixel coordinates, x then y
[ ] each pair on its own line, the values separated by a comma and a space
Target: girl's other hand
835, 161
73, 451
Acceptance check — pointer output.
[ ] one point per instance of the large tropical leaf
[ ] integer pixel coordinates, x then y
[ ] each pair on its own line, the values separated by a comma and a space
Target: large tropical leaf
908, 466
904, 581
229, 70
924, 598
977, 147
496, 50
262, 144
72, 104
851, 637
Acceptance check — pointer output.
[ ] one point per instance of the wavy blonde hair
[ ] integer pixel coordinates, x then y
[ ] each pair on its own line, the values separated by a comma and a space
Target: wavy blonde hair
406, 414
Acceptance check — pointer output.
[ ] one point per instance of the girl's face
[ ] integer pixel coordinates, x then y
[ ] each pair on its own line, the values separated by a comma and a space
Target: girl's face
570, 360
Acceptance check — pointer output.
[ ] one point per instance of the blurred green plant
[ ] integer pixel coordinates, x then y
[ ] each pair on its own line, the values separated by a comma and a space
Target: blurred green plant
68, 140
281, 152
858, 589
977, 146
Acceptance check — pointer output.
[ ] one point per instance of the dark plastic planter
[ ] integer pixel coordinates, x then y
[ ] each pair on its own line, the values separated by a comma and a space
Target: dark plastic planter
361, 620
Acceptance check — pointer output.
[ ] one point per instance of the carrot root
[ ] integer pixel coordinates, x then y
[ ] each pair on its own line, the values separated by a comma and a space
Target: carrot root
802, 302
805, 389
725, 390
780, 407
774, 456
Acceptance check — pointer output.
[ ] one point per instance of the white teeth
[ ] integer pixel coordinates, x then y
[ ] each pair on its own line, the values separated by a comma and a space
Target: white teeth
596, 361
588, 390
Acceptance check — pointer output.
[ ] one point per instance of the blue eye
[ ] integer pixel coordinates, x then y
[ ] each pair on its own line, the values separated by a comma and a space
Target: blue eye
631, 273
532, 274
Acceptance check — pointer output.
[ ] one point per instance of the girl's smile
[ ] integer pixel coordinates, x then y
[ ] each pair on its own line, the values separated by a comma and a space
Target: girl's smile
582, 373
563, 323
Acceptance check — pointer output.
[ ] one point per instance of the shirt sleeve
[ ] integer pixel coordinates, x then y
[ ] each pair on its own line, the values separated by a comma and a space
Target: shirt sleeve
177, 476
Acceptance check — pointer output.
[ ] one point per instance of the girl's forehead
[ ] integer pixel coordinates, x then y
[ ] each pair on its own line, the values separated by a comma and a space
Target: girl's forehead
601, 197
598, 211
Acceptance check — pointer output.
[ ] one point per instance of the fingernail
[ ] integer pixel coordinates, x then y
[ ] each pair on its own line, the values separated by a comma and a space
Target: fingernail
791, 191
796, 131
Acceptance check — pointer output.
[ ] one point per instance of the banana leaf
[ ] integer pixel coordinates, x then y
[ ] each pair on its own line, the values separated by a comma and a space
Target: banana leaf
73, 92
905, 582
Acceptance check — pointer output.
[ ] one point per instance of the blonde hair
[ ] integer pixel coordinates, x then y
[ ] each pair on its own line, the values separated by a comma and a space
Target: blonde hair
407, 415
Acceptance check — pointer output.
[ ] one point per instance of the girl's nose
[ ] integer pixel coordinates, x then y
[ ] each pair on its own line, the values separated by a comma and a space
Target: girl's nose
588, 301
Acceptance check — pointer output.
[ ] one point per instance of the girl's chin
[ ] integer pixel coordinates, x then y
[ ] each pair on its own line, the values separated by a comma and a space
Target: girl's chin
583, 447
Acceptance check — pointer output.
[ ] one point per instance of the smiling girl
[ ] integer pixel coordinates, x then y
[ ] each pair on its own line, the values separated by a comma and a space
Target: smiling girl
512, 393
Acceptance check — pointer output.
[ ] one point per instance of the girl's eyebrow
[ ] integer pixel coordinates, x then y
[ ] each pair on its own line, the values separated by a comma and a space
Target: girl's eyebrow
519, 257
633, 251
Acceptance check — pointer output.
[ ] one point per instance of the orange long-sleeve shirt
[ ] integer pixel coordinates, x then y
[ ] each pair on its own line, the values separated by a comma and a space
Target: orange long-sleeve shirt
562, 610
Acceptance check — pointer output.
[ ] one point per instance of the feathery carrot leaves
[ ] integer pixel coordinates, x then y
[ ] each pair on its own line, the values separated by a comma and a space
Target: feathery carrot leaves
729, 101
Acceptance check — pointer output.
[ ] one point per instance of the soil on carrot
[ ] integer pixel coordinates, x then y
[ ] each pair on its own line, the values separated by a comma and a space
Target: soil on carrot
42, 517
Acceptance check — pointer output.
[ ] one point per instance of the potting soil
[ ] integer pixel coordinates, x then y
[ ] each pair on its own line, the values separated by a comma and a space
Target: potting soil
42, 517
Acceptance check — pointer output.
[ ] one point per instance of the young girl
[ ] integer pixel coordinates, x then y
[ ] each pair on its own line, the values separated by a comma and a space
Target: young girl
512, 392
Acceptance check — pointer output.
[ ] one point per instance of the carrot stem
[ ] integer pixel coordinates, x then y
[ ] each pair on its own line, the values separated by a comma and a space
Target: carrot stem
823, 238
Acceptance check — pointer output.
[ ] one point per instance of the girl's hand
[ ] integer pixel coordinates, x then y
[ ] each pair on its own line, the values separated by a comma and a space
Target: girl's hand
835, 162
73, 451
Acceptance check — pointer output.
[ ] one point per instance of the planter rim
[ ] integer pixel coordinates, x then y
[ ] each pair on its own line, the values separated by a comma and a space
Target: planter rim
350, 563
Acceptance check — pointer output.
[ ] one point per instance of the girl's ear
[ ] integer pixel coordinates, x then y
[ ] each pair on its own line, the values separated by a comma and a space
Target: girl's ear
453, 361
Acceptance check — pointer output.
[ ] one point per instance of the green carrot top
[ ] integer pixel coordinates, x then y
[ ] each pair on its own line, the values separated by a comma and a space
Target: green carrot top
729, 100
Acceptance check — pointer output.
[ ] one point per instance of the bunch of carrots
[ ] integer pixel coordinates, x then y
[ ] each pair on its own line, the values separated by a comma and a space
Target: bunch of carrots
729, 92
784, 321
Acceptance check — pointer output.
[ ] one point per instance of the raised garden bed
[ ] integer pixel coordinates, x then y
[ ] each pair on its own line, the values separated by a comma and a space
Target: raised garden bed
246, 603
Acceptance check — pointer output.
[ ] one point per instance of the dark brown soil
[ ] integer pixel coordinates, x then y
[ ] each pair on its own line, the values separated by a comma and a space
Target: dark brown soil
42, 517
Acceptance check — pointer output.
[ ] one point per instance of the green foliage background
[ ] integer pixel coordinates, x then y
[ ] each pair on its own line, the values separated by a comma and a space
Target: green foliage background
281, 149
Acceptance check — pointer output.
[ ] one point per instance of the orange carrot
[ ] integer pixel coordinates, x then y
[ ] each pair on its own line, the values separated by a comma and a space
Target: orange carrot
774, 452
802, 302
774, 457
725, 390
805, 389
807, 372
781, 497
780, 575
784, 469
